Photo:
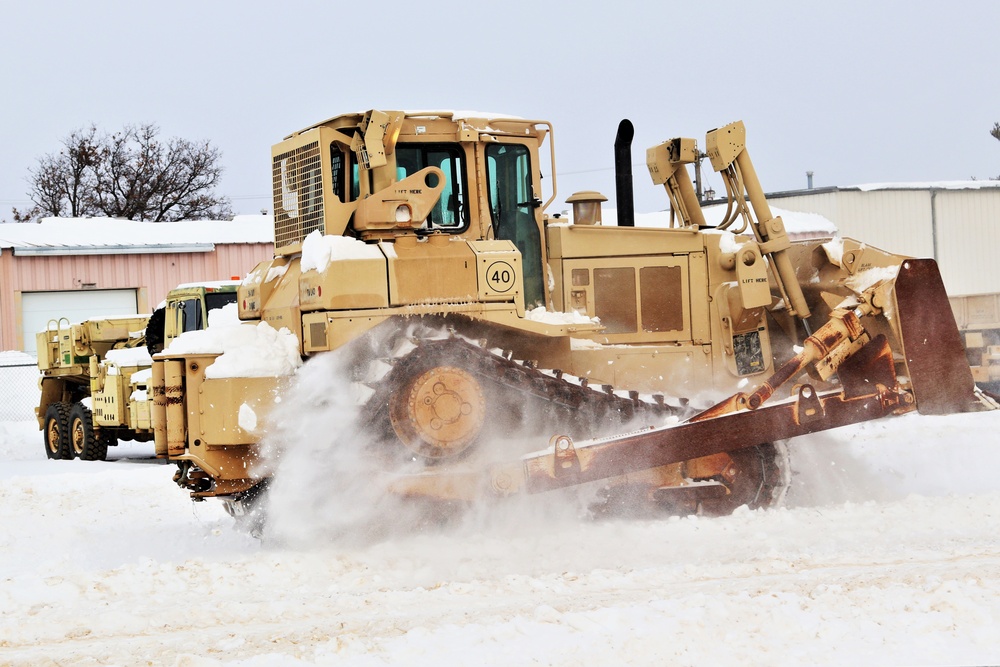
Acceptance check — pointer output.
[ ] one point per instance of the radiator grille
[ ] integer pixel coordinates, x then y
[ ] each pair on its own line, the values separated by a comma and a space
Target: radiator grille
298, 194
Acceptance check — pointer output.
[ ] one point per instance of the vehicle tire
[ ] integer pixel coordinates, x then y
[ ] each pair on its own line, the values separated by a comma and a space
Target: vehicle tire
155, 331
56, 431
84, 443
103, 440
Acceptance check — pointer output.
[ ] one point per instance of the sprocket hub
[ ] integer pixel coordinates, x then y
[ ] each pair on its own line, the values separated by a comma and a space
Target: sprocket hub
440, 413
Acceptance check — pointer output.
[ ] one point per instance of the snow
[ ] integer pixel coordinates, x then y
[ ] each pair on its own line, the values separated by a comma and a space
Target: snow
728, 242
928, 185
861, 281
886, 553
113, 232
319, 250
795, 222
211, 284
247, 418
540, 314
15, 358
129, 356
275, 272
245, 349
835, 250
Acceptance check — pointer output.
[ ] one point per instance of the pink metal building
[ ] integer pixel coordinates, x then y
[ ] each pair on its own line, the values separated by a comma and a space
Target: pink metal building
93, 267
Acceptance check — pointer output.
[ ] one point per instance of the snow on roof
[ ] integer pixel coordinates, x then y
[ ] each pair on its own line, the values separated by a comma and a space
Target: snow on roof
930, 185
55, 234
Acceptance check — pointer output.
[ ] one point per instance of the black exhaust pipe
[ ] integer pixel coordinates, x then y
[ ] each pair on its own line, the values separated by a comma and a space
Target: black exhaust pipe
623, 174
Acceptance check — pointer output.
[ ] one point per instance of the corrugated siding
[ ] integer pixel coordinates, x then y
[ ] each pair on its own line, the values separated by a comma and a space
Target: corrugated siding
824, 204
964, 225
897, 221
152, 275
968, 232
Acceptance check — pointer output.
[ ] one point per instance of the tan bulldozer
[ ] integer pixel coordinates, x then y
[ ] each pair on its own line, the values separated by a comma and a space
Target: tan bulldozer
609, 350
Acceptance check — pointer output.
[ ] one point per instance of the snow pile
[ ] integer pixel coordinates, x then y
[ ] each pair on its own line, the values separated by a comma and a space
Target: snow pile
796, 222
862, 280
834, 249
319, 250
19, 441
16, 358
130, 356
247, 350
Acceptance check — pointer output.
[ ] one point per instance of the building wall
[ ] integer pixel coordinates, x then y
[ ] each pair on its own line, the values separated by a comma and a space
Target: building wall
960, 228
968, 239
151, 275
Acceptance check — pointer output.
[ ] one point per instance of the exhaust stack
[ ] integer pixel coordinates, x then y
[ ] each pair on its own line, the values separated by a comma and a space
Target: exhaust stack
623, 174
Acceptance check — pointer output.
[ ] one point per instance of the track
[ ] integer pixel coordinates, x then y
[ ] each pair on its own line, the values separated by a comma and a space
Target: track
449, 402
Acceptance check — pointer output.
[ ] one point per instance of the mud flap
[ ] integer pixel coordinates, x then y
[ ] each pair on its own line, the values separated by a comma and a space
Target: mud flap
932, 345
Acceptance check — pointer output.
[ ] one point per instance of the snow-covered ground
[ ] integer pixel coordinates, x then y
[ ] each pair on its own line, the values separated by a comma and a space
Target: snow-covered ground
886, 553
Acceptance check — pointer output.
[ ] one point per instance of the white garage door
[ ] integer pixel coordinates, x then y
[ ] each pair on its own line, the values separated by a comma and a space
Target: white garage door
37, 308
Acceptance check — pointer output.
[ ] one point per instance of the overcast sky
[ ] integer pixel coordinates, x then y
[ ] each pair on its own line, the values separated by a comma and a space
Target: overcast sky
856, 92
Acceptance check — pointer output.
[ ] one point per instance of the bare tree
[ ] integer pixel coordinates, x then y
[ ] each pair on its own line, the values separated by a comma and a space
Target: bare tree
995, 133
62, 182
129, 174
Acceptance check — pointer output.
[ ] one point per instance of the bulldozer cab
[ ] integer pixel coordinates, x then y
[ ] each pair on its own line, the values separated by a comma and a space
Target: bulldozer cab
384, 174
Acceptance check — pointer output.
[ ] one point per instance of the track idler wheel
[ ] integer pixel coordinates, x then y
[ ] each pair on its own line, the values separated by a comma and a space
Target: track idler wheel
439, 413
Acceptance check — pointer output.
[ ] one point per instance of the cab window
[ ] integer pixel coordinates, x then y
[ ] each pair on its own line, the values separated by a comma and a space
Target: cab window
189, 312
450, 213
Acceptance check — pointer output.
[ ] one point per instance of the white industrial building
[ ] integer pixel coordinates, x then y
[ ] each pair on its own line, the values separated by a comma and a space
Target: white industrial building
956, 223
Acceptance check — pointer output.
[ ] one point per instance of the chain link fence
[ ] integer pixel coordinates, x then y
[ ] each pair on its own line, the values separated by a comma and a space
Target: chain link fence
19, 391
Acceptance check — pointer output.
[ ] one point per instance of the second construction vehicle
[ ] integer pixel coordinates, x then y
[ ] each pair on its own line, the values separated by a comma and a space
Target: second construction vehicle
94, 374
418, 244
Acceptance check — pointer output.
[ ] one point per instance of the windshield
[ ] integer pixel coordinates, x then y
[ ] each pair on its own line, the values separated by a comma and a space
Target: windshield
450, 212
